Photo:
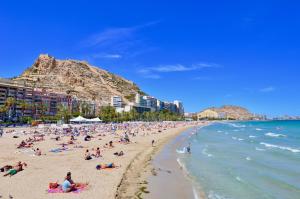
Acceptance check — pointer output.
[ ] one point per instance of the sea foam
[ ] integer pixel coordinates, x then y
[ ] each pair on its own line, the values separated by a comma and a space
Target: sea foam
270, 134
280, 147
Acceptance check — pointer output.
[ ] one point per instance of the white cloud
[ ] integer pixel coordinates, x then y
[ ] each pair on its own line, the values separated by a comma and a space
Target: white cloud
179, 68
152, 76
154, 71
117, 35
108, 56
267, 89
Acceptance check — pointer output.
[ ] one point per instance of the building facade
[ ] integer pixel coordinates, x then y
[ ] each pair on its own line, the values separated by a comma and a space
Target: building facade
116, 101
35, 103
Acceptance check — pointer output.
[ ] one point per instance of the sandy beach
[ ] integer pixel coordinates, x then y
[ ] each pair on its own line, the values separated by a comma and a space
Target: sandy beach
120, 182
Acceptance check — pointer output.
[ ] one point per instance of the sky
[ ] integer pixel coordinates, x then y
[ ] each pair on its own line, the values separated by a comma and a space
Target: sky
204, 53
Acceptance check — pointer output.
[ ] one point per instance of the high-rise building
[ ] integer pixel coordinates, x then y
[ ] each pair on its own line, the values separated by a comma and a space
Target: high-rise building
179, 107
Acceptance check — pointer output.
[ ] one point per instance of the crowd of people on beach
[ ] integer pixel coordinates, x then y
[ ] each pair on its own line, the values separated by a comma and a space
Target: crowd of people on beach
123, 133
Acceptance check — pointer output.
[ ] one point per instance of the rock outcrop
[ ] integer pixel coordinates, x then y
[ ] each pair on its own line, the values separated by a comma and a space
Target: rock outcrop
233, 112
79, 79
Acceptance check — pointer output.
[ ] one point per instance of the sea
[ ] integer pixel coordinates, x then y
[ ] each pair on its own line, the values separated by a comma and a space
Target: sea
244, 160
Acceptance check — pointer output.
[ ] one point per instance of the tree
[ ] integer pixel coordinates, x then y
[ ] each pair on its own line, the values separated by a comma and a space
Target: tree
85, 109
108, 114
24, 106
43, 109
63, 113
10, 103
3, 110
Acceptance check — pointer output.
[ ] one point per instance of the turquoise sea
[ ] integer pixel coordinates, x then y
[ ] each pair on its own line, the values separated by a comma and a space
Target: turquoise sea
245, 160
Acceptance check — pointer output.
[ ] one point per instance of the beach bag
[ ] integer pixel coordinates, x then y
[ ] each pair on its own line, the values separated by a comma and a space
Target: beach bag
53, 185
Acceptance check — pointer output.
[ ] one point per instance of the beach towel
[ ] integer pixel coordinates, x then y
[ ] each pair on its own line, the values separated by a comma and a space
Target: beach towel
79, 188
58, 150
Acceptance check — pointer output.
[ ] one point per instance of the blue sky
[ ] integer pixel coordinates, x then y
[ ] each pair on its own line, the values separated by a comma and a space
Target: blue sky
205, 53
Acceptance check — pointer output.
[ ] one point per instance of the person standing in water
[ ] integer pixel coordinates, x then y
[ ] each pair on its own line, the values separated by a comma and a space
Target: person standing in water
188, 149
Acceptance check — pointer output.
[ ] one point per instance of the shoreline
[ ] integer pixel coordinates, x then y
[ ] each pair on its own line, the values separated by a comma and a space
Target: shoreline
135, 180
174, 181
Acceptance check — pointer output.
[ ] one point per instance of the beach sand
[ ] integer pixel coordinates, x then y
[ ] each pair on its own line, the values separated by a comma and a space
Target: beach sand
114, 183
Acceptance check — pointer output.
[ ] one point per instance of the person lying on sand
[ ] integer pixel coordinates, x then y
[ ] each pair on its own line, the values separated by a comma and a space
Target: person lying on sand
15, 169
106, 166
121, 153
23, 144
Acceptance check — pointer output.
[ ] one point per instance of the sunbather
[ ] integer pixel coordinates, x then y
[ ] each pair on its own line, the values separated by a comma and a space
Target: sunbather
14, 170
106, 166
68, 185
87, 155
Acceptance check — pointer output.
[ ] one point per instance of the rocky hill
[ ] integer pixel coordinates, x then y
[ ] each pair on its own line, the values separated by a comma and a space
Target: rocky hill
79, 79
234, 112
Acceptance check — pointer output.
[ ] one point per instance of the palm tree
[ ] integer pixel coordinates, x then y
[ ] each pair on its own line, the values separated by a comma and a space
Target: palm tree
63, 113
3, 109
24, 106
44, 108
10, 103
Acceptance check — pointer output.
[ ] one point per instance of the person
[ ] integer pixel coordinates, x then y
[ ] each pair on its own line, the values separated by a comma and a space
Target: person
15, 169
38, 152
106, 166
188, 148
153, 143
68, 185
1, 131
126, 137
98, 153
87, 138
111, 144
87, 155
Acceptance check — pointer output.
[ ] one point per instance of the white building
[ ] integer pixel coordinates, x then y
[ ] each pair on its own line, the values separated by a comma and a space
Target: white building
179, 106
116, 101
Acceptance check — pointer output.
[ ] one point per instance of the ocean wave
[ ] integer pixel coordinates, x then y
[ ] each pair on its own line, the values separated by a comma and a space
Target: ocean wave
258, 129
219, 131
182, 166
252, 136
238, 179
195, 193
181, 151
239, 139
280, 147
204, 152
236, 125
270, 134
259, 149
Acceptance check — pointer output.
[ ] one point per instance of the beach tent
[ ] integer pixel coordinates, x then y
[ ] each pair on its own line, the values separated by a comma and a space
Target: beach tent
79, 119
95, 120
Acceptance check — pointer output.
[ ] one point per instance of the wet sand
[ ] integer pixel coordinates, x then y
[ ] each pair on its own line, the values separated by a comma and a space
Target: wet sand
171, 181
